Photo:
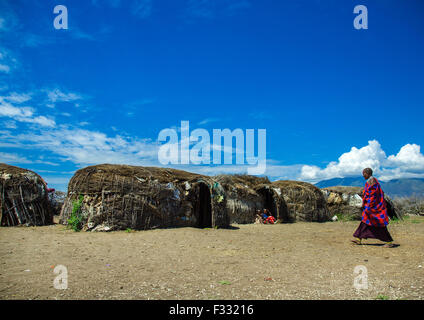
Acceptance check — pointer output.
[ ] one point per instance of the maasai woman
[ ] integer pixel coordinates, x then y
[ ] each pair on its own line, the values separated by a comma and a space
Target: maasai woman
374, 213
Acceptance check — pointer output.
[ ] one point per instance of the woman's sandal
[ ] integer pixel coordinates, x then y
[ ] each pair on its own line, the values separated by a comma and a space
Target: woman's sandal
357, 242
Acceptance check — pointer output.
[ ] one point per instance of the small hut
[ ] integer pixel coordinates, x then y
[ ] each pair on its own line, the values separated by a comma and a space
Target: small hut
346, 202
117, 197
305, 202
23, 198
246, 194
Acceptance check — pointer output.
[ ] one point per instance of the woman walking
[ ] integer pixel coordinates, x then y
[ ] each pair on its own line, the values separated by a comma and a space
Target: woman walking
374, 214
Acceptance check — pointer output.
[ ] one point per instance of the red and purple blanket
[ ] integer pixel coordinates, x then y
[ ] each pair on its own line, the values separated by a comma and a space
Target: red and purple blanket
375, 211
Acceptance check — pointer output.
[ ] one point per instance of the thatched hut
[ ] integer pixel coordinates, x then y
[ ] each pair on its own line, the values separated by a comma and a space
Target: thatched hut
23, 198
117, 197
305, 202
346, 202
246, 194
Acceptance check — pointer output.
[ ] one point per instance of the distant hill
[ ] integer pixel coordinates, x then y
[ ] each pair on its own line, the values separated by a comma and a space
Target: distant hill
395, 188
348, 182
404, 187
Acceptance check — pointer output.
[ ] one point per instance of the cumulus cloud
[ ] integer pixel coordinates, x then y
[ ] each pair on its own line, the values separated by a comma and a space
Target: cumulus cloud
409, 162
408, 158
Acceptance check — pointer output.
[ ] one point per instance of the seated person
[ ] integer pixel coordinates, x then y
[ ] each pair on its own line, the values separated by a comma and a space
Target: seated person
268, 218
259, 219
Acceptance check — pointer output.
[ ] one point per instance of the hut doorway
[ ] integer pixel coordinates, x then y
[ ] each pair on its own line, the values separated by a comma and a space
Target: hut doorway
204, 207
269, 201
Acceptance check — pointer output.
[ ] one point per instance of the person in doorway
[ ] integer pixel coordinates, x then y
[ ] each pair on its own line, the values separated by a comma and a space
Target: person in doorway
264, 215
374, 213
270, 220
268, 217
258, 219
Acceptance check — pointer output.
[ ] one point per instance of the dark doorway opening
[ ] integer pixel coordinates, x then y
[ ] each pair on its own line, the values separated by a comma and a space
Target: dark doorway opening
204, 207
269, 202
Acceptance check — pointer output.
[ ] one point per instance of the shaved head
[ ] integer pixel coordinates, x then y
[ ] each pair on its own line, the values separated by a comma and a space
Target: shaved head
368, 171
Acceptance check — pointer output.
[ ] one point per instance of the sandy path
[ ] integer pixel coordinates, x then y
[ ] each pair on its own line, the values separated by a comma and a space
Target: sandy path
287, 261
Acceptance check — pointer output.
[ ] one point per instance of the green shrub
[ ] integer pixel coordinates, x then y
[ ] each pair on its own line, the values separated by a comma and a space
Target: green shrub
75, 220
345, 217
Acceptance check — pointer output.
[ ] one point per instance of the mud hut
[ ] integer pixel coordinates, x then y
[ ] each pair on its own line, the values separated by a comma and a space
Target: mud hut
117, 197
304, 201
346, 203
23, 198
246, 194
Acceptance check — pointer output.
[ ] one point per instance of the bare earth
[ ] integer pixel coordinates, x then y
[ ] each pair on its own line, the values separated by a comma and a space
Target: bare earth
283, 261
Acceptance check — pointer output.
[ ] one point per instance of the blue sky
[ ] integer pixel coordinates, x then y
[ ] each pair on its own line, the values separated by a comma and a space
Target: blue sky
332, 99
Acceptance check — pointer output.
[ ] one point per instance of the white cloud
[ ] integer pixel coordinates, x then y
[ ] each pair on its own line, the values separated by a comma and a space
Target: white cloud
4, 68
409, 162
22, 114
18, 97
85, 147
43, 121
208, 120
408, 158
13, 158
8, 110
56, 95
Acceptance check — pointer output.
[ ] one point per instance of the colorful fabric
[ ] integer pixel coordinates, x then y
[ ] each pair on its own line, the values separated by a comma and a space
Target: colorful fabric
375, 211
270, 220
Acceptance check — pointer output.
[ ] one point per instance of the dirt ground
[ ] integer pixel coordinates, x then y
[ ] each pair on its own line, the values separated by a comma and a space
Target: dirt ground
283, 261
